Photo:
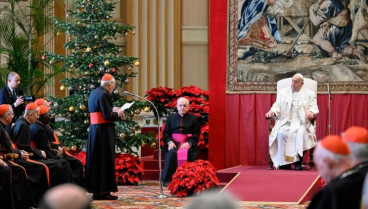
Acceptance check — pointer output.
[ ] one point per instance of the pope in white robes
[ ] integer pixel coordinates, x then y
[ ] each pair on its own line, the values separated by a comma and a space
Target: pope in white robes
293, 133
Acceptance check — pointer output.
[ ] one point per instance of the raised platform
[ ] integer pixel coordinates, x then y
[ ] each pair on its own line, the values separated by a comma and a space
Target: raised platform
259, 185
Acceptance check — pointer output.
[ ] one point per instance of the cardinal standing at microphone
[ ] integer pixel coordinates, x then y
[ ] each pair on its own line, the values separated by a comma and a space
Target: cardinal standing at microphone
100, 166
180, 137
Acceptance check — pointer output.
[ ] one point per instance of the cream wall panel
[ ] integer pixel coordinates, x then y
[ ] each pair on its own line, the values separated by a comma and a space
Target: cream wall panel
195, 12
195, 67
155, 43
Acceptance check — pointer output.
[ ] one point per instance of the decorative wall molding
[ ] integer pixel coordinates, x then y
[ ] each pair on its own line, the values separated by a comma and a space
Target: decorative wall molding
194, 35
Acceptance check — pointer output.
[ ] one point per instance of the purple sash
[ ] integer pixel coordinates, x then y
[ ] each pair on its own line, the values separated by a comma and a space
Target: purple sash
182, 154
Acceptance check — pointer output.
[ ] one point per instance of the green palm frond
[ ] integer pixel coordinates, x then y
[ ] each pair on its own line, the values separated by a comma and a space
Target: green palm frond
3, 75
41, 21
6, 31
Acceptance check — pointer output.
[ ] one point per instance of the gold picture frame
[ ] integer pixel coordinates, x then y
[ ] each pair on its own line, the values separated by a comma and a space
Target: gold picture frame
244, 76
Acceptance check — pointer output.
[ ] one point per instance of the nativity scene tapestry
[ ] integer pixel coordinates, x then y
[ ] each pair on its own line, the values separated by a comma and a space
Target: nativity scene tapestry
325, 40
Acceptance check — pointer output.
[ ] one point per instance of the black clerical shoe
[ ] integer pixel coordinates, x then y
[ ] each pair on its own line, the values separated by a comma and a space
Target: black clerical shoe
106, 196
298, 167
285, 167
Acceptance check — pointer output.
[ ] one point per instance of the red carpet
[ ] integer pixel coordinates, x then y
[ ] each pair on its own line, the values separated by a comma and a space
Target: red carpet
257, 184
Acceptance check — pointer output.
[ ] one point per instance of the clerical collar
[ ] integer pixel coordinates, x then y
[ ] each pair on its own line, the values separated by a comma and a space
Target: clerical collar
182, 116
354, 170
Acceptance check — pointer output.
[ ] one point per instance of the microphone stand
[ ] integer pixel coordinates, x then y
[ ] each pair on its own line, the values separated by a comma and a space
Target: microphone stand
161, 195
329, 108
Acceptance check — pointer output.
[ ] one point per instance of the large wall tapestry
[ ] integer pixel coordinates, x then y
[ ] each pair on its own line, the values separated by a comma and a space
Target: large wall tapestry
325, 40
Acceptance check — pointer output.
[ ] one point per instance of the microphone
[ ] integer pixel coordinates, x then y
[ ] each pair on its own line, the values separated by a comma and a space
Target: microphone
130, 94
161, 195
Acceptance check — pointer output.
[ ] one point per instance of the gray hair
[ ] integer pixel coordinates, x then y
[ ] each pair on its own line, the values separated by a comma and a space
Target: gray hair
358, 151
109, 82
183, 98
214, 200
12, 74
336, 158
28, 112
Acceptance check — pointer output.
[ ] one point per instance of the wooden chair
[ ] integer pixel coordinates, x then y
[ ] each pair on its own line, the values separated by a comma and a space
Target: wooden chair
283, 83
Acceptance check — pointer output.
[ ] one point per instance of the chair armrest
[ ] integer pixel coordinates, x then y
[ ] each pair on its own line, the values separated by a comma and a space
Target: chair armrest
11, 156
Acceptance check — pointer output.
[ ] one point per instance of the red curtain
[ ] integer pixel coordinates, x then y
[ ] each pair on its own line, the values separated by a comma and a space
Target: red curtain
246, 129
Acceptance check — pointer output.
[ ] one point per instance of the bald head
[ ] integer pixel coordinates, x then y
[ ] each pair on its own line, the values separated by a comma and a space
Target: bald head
66, 196
182, 105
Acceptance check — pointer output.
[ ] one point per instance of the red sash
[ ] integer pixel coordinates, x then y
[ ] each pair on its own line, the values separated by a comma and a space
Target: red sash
182, 154
97, 118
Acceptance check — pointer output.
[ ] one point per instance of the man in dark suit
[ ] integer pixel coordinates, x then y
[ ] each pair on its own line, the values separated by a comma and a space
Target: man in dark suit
10, 94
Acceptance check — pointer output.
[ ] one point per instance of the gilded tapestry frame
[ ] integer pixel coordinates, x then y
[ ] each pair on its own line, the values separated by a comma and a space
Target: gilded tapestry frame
257, 85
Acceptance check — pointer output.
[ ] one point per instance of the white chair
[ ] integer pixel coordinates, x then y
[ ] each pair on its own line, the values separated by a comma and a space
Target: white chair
286, 82
308, 83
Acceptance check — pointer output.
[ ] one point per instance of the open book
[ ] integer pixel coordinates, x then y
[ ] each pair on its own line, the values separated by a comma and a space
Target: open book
127, 105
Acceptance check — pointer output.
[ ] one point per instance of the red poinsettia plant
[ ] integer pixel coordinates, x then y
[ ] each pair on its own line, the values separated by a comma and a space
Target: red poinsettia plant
193, 178
128, 169
166, 98
160, 96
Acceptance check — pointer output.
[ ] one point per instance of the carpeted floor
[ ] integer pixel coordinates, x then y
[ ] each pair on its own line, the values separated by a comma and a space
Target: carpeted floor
257, 183
143, 195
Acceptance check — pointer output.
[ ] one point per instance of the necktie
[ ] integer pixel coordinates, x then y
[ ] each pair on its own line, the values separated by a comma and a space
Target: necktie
14, 94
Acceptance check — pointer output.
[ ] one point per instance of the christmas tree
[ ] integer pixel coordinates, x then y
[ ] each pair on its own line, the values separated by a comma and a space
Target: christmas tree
90, 41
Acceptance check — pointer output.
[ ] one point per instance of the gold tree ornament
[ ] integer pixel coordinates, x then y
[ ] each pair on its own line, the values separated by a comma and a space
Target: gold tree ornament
133, 32
137, 111
62, 87
153, 145
71, 109
107, 63
89, 49
82, 107
73, 148
122, 136
146, 109
137, 63
86, 121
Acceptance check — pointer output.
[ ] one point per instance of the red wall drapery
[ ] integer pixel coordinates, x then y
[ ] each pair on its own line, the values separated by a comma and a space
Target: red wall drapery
238, 129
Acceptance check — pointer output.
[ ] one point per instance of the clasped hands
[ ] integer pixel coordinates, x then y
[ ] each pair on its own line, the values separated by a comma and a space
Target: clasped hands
172, 145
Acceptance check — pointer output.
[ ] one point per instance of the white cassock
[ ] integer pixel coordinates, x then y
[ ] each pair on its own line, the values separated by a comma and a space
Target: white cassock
292, 133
